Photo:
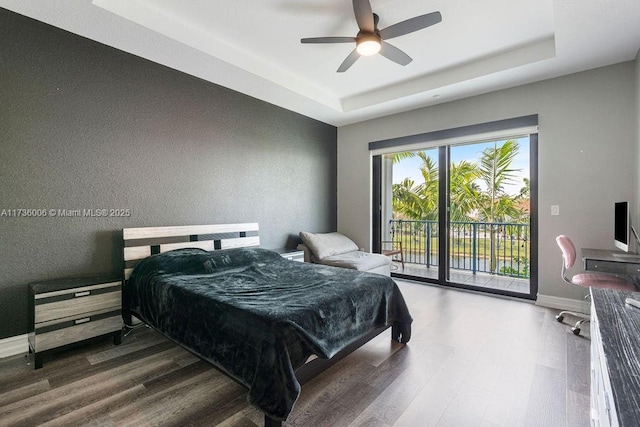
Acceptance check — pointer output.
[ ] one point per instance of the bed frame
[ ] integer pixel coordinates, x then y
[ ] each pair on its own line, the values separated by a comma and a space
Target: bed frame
142, 242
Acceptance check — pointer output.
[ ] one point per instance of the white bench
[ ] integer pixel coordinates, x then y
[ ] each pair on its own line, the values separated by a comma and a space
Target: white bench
337, 250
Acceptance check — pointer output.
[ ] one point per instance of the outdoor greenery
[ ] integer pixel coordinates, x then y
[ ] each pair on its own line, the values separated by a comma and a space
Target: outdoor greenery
477, 193
469, 240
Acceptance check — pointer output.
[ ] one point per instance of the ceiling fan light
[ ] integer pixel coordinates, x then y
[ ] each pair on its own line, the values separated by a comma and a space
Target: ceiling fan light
368, 46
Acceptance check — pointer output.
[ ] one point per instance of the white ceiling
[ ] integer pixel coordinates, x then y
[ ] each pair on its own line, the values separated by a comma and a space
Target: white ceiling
253, 46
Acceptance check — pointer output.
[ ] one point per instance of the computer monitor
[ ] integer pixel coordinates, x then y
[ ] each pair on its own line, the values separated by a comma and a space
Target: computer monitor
621, 226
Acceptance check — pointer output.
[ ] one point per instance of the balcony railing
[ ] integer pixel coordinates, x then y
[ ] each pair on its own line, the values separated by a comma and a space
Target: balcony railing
470, 245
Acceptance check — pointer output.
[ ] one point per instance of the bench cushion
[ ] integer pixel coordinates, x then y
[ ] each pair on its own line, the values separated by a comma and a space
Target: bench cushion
357, 260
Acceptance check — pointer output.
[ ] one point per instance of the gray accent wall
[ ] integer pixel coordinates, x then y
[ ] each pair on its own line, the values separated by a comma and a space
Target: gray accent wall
85, 126
588, 157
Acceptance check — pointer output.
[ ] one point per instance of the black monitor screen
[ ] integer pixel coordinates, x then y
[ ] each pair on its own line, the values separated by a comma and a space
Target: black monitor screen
621, 225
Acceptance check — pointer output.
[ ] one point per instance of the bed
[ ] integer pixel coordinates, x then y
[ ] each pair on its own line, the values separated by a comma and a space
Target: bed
254, 315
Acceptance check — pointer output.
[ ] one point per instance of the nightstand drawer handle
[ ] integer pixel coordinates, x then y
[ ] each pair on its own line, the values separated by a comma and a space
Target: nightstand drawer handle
82, 294
85, 320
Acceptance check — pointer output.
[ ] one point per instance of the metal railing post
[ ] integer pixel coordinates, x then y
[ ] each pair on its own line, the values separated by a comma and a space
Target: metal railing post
428, 243
474, 262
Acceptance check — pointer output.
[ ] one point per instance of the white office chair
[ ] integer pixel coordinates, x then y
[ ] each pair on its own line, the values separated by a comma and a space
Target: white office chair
586, 280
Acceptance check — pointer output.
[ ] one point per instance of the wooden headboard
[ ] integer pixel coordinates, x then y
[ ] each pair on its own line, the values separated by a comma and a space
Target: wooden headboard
142, 242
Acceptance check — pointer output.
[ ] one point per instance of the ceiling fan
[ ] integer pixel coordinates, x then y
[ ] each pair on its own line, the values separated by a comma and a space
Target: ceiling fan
370, 40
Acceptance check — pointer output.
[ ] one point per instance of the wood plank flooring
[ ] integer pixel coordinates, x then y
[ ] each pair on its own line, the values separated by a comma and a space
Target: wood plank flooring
473, 360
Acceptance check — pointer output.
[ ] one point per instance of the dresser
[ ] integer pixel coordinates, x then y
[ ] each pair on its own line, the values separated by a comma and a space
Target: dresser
615, 359
63, 312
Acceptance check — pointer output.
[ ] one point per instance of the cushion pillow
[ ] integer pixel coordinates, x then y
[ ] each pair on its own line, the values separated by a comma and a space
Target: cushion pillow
327, 244
357, 260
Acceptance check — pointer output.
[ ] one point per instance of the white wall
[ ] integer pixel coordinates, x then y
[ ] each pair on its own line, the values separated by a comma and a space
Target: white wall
588, 156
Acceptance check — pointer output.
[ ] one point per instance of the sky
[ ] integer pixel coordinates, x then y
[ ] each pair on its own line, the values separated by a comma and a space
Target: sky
410, 168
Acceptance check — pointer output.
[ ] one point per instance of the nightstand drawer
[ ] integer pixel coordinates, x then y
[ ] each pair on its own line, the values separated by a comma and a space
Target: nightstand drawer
57, 305
50, 335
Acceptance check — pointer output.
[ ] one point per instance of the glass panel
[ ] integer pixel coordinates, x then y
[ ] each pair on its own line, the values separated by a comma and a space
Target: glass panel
489, 239
413, 217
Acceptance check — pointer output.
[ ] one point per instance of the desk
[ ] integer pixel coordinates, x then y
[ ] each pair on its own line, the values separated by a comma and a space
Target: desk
605, 261
615, 359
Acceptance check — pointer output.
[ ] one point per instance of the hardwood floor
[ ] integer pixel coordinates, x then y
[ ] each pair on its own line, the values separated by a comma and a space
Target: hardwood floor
473, 360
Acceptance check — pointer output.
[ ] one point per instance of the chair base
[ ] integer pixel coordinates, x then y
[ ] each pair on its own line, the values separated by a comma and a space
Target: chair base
584, 317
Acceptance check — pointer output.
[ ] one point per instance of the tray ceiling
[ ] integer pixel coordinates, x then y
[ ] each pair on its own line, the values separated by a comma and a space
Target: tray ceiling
254, 46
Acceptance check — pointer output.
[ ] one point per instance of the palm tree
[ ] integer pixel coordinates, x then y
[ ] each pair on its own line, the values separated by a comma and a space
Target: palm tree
419, 202
496, 205
464, 192
398, 157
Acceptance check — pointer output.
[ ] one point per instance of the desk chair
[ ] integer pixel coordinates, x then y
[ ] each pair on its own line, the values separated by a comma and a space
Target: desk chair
586, 280
391, 248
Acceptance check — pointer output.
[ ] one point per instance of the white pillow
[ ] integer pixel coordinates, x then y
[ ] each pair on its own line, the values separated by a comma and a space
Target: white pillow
327, 244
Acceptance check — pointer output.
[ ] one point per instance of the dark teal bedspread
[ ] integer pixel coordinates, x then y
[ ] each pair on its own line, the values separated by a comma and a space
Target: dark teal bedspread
258, 316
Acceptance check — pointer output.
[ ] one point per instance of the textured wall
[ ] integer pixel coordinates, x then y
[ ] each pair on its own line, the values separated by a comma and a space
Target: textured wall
85, 126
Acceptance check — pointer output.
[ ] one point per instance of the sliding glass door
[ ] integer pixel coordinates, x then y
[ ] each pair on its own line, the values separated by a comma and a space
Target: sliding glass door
462, 213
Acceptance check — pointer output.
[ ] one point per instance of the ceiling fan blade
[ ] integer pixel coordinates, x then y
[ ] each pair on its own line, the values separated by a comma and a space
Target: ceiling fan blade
349, 61
328, 40
411, 25
393, 53
364, 15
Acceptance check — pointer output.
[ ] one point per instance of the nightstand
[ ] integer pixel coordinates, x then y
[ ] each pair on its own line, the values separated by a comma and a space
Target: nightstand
66, 311
290, 254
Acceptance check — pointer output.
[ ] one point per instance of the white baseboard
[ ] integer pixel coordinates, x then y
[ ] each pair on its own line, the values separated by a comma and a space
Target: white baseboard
13, 345
582, 306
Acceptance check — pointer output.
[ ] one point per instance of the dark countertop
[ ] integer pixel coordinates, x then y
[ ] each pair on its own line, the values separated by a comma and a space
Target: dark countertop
619, 326
611, 256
